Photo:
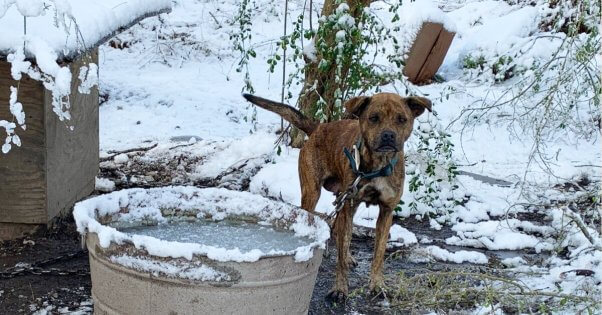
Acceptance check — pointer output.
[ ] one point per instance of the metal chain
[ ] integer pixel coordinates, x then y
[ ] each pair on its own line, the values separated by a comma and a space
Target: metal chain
348, 194
339, 202
36, 268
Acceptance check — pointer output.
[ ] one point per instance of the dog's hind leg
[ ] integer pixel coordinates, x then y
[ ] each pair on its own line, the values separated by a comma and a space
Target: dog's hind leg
383, 226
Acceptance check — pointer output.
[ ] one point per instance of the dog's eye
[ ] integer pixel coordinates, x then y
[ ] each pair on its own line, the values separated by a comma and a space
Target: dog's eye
401, 119
374, 118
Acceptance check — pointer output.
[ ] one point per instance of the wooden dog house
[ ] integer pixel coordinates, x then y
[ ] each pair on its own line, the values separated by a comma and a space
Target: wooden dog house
56, 166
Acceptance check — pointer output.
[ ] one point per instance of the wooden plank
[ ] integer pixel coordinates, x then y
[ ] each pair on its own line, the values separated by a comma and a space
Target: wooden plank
436, 56
22, 176
72, 155
424, 42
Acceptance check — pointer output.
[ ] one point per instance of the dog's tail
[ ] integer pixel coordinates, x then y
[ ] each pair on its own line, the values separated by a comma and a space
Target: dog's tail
289, 113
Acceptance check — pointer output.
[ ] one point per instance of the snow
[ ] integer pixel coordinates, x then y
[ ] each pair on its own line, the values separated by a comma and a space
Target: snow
458, 257
309, 50
201, 272
85, 307
16, 108
104, 184
161, 88
27, 31
144, 205
498, 235
345, 21
88, 76
253, 146
121, 158
95, 21
400, 236
281, 180
434, 224
30, 8
18, 63
342, 8
494, 40
417, 12
513, 261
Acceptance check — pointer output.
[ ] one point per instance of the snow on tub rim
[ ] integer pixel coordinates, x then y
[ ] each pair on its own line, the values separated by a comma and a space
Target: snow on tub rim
138, 274
158, 205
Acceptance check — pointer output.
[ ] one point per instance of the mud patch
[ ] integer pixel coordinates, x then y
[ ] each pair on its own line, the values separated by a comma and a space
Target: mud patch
29, 292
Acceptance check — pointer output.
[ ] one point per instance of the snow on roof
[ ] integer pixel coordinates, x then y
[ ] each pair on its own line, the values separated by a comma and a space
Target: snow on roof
71, 27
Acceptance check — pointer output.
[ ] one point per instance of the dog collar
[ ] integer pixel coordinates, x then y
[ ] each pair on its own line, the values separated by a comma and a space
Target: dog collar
383, 172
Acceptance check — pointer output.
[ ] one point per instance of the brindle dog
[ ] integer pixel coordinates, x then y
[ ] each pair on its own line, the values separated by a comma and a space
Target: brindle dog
384, 122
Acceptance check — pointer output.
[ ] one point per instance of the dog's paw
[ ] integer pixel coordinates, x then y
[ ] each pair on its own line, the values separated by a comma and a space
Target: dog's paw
377, 288
337, 295
377, 293
351, 262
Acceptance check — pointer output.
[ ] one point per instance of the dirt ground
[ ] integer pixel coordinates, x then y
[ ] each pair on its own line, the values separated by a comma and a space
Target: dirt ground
28, 292
62, 284
25, 293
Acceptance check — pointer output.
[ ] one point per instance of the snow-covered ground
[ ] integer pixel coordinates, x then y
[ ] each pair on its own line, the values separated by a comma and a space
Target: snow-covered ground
173, 78
171, 82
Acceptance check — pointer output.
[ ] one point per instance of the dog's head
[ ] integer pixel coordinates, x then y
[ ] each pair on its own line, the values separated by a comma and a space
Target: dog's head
386, 119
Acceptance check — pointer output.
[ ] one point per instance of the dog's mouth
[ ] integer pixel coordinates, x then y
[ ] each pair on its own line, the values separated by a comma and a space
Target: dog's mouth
387, 148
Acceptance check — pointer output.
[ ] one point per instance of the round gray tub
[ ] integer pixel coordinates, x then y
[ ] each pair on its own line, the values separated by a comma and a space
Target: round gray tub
279, 283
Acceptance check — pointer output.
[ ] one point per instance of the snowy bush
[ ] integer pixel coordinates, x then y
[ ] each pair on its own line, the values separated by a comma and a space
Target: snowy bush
543, 66
367, 52
241, 41
497, 68
432, 173
553, 88
351, 59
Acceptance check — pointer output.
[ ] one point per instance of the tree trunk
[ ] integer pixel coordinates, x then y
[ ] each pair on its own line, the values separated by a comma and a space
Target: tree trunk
322, 83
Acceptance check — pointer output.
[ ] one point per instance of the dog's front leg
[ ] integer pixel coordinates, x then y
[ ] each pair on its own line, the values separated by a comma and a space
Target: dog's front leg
343, 226
383, 225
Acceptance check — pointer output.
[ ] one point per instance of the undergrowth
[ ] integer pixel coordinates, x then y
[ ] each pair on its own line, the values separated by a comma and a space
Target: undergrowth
487, 290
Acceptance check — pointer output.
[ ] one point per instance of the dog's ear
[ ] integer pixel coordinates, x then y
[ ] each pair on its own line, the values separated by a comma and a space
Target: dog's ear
355, 106
418, 104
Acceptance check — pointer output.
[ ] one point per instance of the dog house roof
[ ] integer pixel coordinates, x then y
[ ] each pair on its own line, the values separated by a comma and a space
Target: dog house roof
87, 23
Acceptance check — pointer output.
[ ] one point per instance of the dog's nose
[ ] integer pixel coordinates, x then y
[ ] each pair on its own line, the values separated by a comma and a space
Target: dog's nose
387, 136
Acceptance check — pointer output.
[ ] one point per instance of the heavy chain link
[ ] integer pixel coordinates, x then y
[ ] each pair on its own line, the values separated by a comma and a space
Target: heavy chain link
37, 268
340, 200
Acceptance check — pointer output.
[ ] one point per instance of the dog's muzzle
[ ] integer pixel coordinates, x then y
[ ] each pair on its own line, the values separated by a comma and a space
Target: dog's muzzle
387, 142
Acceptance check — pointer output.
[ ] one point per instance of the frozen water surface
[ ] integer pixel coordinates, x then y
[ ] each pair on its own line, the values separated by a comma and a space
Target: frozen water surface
225, 234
